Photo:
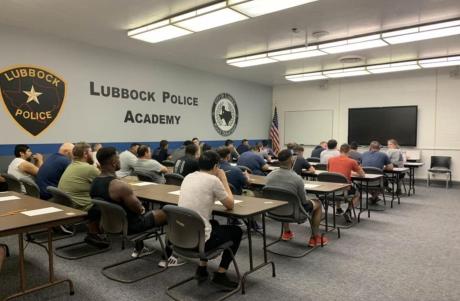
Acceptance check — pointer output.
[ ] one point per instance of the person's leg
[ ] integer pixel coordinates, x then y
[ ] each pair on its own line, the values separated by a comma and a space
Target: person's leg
2, 255
287, 233
316, 214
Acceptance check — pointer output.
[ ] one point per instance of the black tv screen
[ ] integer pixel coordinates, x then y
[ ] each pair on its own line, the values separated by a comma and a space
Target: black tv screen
383, 123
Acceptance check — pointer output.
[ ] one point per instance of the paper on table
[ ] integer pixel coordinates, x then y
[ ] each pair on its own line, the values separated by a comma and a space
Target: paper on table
9, 198
177, 192
143, 183
307, 186
236, 202
41, 211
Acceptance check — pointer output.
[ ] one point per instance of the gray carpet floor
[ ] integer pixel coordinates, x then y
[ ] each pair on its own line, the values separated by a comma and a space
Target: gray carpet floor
410, 252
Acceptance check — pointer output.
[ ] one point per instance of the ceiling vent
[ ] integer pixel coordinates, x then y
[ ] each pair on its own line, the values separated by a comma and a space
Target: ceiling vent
351, 59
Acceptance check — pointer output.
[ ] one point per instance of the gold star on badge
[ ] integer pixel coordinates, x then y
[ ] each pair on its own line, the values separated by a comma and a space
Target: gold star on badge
33, 95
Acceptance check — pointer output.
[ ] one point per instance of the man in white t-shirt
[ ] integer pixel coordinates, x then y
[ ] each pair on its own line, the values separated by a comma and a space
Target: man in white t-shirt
199, 191
330, 152
22, 166
128, 159
147, 165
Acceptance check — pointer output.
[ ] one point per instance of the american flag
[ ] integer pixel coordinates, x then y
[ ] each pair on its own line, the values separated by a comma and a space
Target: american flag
275, 134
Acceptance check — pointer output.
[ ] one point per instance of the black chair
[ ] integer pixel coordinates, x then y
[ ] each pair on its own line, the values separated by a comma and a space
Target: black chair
174, 179
31, 187
293, 212
143, 176
321, 166
62, 198
244, 168
114, 222
440, 165
378, 184
185, 233
168, 163
13, 183
313, 159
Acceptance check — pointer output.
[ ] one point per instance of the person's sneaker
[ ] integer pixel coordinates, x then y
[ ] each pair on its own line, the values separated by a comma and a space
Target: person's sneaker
143, 252
201, 274
287, 235
255, 226
312, 242
321, 240
339, 211
223, 282
375, 200
97, 240
172, 262
347, 216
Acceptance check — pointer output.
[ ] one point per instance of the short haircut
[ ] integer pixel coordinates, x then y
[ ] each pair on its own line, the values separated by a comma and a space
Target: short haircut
264, 143
298, 149
195, 138
323, 142
187, 142
105, 154
290, 145
284, 155
208, 160
331, 144
228, 142
20, 148
393, 141
163, 144
191, 149
142, 150
344, 148
375, 145
94, 146
244, 140
80, 149
354, 145
223, 152
134, 145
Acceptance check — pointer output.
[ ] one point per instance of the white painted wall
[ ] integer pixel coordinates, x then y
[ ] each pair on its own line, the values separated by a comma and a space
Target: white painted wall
435, 92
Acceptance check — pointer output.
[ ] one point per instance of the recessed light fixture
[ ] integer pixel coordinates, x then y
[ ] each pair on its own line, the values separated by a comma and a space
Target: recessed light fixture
215, 14
259, 59
366, 42
393, 67
425, 32
440, 62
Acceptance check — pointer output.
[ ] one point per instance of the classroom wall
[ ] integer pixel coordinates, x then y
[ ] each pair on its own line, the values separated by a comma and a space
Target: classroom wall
86, 117
435, 92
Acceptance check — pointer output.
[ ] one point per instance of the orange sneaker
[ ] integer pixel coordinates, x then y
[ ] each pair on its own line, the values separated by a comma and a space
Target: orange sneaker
321, 240
312, 242
287, 235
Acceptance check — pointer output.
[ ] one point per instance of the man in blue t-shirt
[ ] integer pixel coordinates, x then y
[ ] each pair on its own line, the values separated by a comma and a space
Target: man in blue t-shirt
375, 158
52, 169
234, 175
253, 161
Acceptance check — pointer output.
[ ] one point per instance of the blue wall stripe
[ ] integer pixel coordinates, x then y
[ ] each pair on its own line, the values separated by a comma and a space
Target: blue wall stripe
8, 149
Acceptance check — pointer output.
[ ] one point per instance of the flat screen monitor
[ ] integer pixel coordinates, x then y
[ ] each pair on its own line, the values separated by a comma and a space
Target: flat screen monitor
383, 123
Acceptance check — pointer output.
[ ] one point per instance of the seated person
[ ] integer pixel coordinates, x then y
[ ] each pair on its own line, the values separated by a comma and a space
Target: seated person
147, 165
128, 159
3, 184
290, 146
234, 175
253, 161
76, 182
234, 155
107, 187
199, 191
353, 153
22, 166
263, 154
300, 162
243, 147
266, 149
52, 169
94, 148
316, 152
394, 153
162, 153
286, 178
188, 163
180, 152
345, 165
330, 152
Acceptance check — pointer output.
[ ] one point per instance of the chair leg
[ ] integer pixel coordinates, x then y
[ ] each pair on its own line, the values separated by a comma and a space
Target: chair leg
284, 254
58, 253
428, 180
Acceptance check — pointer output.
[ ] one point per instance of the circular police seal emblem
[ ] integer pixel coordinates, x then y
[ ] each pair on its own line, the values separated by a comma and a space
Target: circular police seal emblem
224, 114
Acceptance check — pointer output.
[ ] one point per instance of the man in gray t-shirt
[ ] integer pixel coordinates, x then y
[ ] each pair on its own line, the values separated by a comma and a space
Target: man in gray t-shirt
146, 164
286, 178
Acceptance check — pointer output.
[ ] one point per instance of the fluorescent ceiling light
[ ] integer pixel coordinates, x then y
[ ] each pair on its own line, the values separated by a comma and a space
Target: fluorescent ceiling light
426, 32
305, 77
440, 62
254, 8
296, 53
158, 32
371, 41
209, 20
259, 59
358, 71
393, 67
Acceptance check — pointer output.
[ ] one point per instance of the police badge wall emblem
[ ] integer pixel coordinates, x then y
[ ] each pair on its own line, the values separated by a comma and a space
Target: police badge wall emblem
224, 114
32, 96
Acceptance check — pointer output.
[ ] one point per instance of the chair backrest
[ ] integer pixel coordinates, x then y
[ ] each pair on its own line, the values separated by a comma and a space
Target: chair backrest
440, 162
59, 197
113, 217
185, 228
321, 166
31, 187
232, 188
292, 212
142, 176
374, 171
174, 179
313, 159
333, 177
244, 168
13, 183
168, 163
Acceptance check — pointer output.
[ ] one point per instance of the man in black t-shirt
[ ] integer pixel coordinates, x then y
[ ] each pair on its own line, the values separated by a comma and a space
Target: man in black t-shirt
301, 162
188, 163
316, 153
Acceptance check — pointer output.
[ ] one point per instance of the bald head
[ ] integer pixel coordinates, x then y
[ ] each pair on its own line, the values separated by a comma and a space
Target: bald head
66, 149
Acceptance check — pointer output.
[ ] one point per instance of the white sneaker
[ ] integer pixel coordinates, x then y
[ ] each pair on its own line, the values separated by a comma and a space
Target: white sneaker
145, 251
172, 262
